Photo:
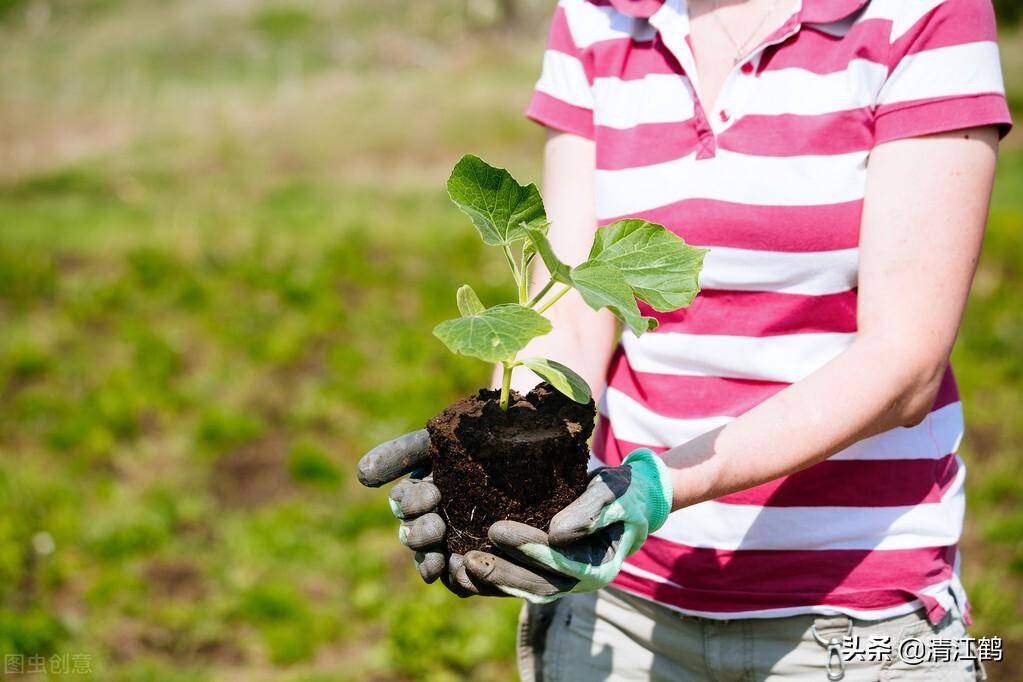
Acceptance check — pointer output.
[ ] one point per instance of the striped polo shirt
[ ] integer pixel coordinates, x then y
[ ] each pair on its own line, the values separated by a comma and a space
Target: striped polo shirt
772, 180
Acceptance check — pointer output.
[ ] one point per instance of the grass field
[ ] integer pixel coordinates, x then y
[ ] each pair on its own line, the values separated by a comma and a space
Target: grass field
223, 243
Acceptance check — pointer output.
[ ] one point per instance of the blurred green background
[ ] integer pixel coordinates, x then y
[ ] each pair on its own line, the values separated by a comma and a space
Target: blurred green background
223, 243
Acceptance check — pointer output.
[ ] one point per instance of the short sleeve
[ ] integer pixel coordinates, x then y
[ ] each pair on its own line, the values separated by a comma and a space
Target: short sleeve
944, 71
563, 99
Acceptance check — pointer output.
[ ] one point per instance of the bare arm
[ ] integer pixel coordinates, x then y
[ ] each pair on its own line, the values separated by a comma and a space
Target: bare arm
924, 215
582, 338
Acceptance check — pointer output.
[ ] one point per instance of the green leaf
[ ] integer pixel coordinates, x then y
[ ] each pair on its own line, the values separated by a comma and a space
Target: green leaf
656, 263
603, 286
469, 303
560, 377
494, 335
559, 271
497, 205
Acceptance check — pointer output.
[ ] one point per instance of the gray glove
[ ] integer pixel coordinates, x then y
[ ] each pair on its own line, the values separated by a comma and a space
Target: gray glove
415, 502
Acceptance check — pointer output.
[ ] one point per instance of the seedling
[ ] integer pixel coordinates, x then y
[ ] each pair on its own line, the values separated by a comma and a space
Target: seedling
524, 460
629, 260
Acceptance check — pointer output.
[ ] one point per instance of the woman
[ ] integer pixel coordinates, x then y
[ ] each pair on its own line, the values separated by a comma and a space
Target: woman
799, 419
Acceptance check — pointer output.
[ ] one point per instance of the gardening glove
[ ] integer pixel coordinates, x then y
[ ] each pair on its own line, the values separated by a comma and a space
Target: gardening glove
588, 540
415, 502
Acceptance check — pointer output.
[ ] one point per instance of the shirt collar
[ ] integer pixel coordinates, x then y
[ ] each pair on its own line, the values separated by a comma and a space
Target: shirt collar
813, 12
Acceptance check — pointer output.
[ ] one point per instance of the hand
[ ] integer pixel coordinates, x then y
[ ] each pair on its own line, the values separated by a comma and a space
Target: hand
415, 501
588, 540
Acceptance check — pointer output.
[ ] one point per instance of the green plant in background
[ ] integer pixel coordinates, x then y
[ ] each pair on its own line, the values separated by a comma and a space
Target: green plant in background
629, 260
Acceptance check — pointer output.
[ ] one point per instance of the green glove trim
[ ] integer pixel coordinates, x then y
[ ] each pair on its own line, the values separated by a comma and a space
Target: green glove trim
641, 509
652, 474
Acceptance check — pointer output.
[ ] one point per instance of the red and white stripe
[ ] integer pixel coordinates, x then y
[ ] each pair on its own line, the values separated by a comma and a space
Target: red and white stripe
772, 181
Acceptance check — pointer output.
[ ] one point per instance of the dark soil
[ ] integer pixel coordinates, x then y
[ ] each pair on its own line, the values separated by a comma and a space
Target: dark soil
175, 578
525, 464
252, 475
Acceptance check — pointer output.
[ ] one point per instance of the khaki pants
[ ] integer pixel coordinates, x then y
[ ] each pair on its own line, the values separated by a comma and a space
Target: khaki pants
611, 635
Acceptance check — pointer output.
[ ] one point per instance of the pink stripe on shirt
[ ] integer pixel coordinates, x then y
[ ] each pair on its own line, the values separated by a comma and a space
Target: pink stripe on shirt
711, 222
760, 313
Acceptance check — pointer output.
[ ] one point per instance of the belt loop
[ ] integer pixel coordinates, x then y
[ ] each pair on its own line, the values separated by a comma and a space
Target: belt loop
832, 643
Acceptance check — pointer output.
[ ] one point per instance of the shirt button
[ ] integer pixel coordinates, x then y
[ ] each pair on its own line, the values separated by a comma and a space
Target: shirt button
747, 68
725, 116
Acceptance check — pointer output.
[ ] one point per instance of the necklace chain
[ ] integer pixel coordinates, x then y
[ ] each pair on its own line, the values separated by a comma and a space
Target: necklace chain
740, 48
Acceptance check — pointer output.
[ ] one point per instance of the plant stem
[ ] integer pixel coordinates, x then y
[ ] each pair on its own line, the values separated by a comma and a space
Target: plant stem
524, 284
543, 292
515, 272
554, 300
506, 384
